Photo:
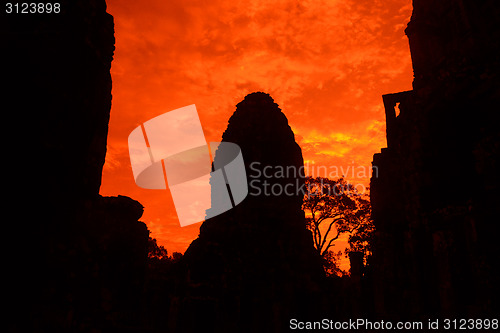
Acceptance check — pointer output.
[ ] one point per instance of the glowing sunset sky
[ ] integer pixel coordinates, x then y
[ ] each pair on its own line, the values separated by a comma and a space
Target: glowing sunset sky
326, 63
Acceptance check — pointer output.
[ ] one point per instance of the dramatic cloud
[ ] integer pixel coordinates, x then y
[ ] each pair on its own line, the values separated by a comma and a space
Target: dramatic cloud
326, 63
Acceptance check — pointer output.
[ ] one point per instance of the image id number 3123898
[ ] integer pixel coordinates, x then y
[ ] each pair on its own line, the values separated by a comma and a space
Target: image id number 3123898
472, 324
32, 8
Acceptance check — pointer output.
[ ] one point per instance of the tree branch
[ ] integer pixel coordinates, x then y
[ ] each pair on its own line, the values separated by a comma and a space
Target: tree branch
329, 245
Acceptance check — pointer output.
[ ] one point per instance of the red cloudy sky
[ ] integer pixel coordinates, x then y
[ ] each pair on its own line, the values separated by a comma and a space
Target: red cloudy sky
326, 63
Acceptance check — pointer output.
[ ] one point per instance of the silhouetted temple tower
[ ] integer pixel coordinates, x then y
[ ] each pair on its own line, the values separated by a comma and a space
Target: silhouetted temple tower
435, 200
254, 267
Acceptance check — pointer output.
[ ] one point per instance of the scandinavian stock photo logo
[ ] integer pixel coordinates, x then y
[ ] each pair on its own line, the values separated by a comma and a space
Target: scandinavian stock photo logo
205, 179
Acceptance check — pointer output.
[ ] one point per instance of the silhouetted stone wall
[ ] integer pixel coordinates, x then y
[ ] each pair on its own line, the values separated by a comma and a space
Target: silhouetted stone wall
435, 200
75, 259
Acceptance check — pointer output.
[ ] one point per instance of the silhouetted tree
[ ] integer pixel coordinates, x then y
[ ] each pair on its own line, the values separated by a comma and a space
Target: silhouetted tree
161, 280
159, 252
176, 256
333, 208
156, 251
331, 263
361, 239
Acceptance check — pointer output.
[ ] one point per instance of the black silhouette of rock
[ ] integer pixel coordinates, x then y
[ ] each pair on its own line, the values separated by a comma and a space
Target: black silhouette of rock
75, 259
436, 190
254, 267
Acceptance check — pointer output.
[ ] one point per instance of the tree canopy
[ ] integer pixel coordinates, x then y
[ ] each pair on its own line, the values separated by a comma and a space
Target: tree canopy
333, 208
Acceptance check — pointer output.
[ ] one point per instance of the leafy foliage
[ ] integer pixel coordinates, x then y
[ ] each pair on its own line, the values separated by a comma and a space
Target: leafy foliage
333, 208
331, 263
159, 252
156, 251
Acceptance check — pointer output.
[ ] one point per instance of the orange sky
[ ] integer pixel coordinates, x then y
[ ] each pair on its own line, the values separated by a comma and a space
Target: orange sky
326, 63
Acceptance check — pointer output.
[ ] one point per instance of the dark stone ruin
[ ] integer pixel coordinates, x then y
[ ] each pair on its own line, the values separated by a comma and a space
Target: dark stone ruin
435, 200
76, 260
254, 267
